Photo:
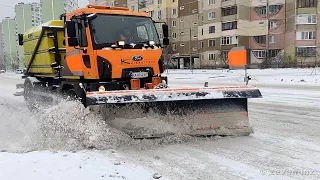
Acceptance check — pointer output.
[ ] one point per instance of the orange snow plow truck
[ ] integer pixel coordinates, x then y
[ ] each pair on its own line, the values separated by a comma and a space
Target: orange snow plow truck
109, 56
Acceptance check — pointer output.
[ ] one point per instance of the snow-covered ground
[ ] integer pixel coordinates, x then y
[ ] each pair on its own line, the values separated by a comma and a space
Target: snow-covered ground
285, 145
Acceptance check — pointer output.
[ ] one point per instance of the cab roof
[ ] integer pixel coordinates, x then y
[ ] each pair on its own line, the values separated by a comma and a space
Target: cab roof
105, 10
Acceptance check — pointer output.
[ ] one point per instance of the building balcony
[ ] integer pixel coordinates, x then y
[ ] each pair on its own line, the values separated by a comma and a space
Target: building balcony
276, 11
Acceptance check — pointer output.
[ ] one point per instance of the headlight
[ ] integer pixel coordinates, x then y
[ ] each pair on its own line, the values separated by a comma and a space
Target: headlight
121, 43
102, 89
152, 43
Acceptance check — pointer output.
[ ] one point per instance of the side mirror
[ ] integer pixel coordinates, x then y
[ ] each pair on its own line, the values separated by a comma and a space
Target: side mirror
71, 29
165, 30
20, 37
166, 41
72, 41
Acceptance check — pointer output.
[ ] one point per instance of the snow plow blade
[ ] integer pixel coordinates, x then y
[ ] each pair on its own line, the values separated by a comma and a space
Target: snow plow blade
186, 111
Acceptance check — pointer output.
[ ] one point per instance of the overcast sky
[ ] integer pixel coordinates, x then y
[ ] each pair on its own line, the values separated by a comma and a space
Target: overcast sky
7, 6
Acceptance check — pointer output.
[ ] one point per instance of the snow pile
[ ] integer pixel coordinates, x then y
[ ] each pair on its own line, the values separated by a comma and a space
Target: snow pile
71, 127
307, 76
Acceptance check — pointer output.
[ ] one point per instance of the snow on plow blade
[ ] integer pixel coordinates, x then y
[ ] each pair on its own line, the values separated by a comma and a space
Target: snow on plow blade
191, 111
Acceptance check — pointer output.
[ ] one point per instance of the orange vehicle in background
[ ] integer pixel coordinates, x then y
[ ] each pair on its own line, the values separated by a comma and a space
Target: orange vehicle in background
111, 56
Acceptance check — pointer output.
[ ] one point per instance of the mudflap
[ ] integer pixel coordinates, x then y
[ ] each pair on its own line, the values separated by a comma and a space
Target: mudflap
196, 112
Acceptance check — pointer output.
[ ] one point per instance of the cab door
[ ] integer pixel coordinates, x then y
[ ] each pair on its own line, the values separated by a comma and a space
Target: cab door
79, 59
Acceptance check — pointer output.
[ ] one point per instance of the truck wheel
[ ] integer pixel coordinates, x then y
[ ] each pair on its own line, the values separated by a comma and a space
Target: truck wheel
71, 94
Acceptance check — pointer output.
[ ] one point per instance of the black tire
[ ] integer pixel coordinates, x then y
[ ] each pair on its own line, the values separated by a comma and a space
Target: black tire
72, 95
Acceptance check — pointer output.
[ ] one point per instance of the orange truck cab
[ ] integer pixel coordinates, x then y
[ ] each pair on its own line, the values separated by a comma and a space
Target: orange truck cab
112, 45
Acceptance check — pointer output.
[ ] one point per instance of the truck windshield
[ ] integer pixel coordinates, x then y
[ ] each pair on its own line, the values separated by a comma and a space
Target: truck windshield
108, 29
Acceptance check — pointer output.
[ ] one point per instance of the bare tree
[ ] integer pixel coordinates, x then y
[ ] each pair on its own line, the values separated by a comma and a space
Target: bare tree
167, 56
11, 61
222, 58
290, 62
278, 60
304, 54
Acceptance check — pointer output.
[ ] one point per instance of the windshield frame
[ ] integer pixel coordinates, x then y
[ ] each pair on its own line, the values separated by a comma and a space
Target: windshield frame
97, 46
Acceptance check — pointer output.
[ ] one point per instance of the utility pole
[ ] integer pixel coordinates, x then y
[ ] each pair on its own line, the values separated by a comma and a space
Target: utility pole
52, 9
267, 36
190, 40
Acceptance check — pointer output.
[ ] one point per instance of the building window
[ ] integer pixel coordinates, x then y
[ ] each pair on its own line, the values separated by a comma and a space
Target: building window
306, 51
174, 23
201, 44
174, 35
174, 11
211, 43
262, 11
211, 15
259, 53
272, 39
160, 36
174, 47
151, 13
306, 19
273, 9
212, 56
260, 39
159, 1
273, 24
306, 3
273, 52
229, 11
306, 35
159, 14
226, 40
211, 2
212, 29
229, 25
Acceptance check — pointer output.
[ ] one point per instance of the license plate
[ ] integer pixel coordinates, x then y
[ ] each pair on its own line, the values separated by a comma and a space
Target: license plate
139, 74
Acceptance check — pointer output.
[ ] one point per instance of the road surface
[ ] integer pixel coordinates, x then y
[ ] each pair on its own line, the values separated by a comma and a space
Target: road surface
285, 145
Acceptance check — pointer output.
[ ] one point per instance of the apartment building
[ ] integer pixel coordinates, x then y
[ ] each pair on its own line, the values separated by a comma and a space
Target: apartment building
135, 5
36, 14
118, 3
302, 40
27, 16
185, 34
267, 42
1, 49
276, 32
52, 9
164, 11
10, 41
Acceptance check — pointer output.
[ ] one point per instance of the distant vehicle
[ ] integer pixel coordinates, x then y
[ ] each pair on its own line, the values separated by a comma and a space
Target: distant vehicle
2, 71
19, 71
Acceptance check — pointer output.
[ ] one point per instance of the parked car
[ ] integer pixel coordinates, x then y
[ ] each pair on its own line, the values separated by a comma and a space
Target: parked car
2, 71
19, 71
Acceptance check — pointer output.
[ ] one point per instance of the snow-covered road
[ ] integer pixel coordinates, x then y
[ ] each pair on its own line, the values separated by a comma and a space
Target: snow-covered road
285, 145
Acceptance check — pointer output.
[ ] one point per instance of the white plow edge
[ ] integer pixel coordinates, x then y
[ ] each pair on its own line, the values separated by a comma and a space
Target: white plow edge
164, 94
